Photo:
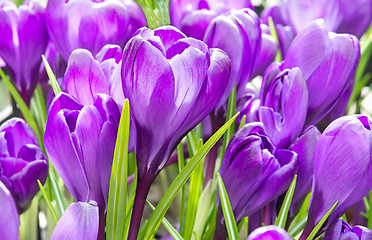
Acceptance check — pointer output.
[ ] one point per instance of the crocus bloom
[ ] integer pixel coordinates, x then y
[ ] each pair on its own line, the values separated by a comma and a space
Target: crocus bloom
172, 83
284, 100
344, 149
242, 46
342, 231
271, 232
254, 172
91, 24
80, 142
22, 162
328, 66
24, 38
192, 17
9, 221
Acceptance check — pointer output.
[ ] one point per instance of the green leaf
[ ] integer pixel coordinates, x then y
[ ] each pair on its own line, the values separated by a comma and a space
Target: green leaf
52, 77
242, 122
231, 105
38, 107
181, 165
278, 57
57, 193
283, 213
23, 107
232, 228
369, 212
204, 206
320, 223
49, 205
196, 184
116, 209
171, 230
180, 180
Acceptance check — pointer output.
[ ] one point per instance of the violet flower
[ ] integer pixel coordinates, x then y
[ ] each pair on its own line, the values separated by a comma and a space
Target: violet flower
341, 230
242, 46
80, 142
24, 38
9, 221
269, 232
344, 150
254, 172
335, 56
172, 83
192, 17
22, 162
284, 100
92, 24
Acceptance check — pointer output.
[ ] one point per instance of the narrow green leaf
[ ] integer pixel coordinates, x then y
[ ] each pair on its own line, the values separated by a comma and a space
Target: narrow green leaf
320, 223
49, 205
283, 213
57, 193
180, 180
278, 57
171, 230
38, 107
52, 77
196, 184
181, 165
204, 205
242, 122
232, 228
116, 209
298, 227
23, 107
231, 106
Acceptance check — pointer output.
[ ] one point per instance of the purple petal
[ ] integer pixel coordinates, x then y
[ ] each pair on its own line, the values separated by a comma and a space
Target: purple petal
84, 77
269, 232
9, 221
60, 146
340, 63
303, 53
305, 148
80, 221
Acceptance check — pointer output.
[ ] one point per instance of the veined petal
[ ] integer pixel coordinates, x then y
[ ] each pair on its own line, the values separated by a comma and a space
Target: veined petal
9, 221
80, 221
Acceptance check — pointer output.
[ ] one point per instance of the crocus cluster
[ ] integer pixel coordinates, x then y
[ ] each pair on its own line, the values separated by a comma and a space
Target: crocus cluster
288, 69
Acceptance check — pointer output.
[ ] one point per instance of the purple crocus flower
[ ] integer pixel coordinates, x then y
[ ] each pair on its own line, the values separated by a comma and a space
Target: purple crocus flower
342, 231
328, 66
192, 17
80, 142
172, 83
24, 38
22, 162
344, 149
254, 172
9, 221
242, 47
271, 232
92, 24
284, 100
